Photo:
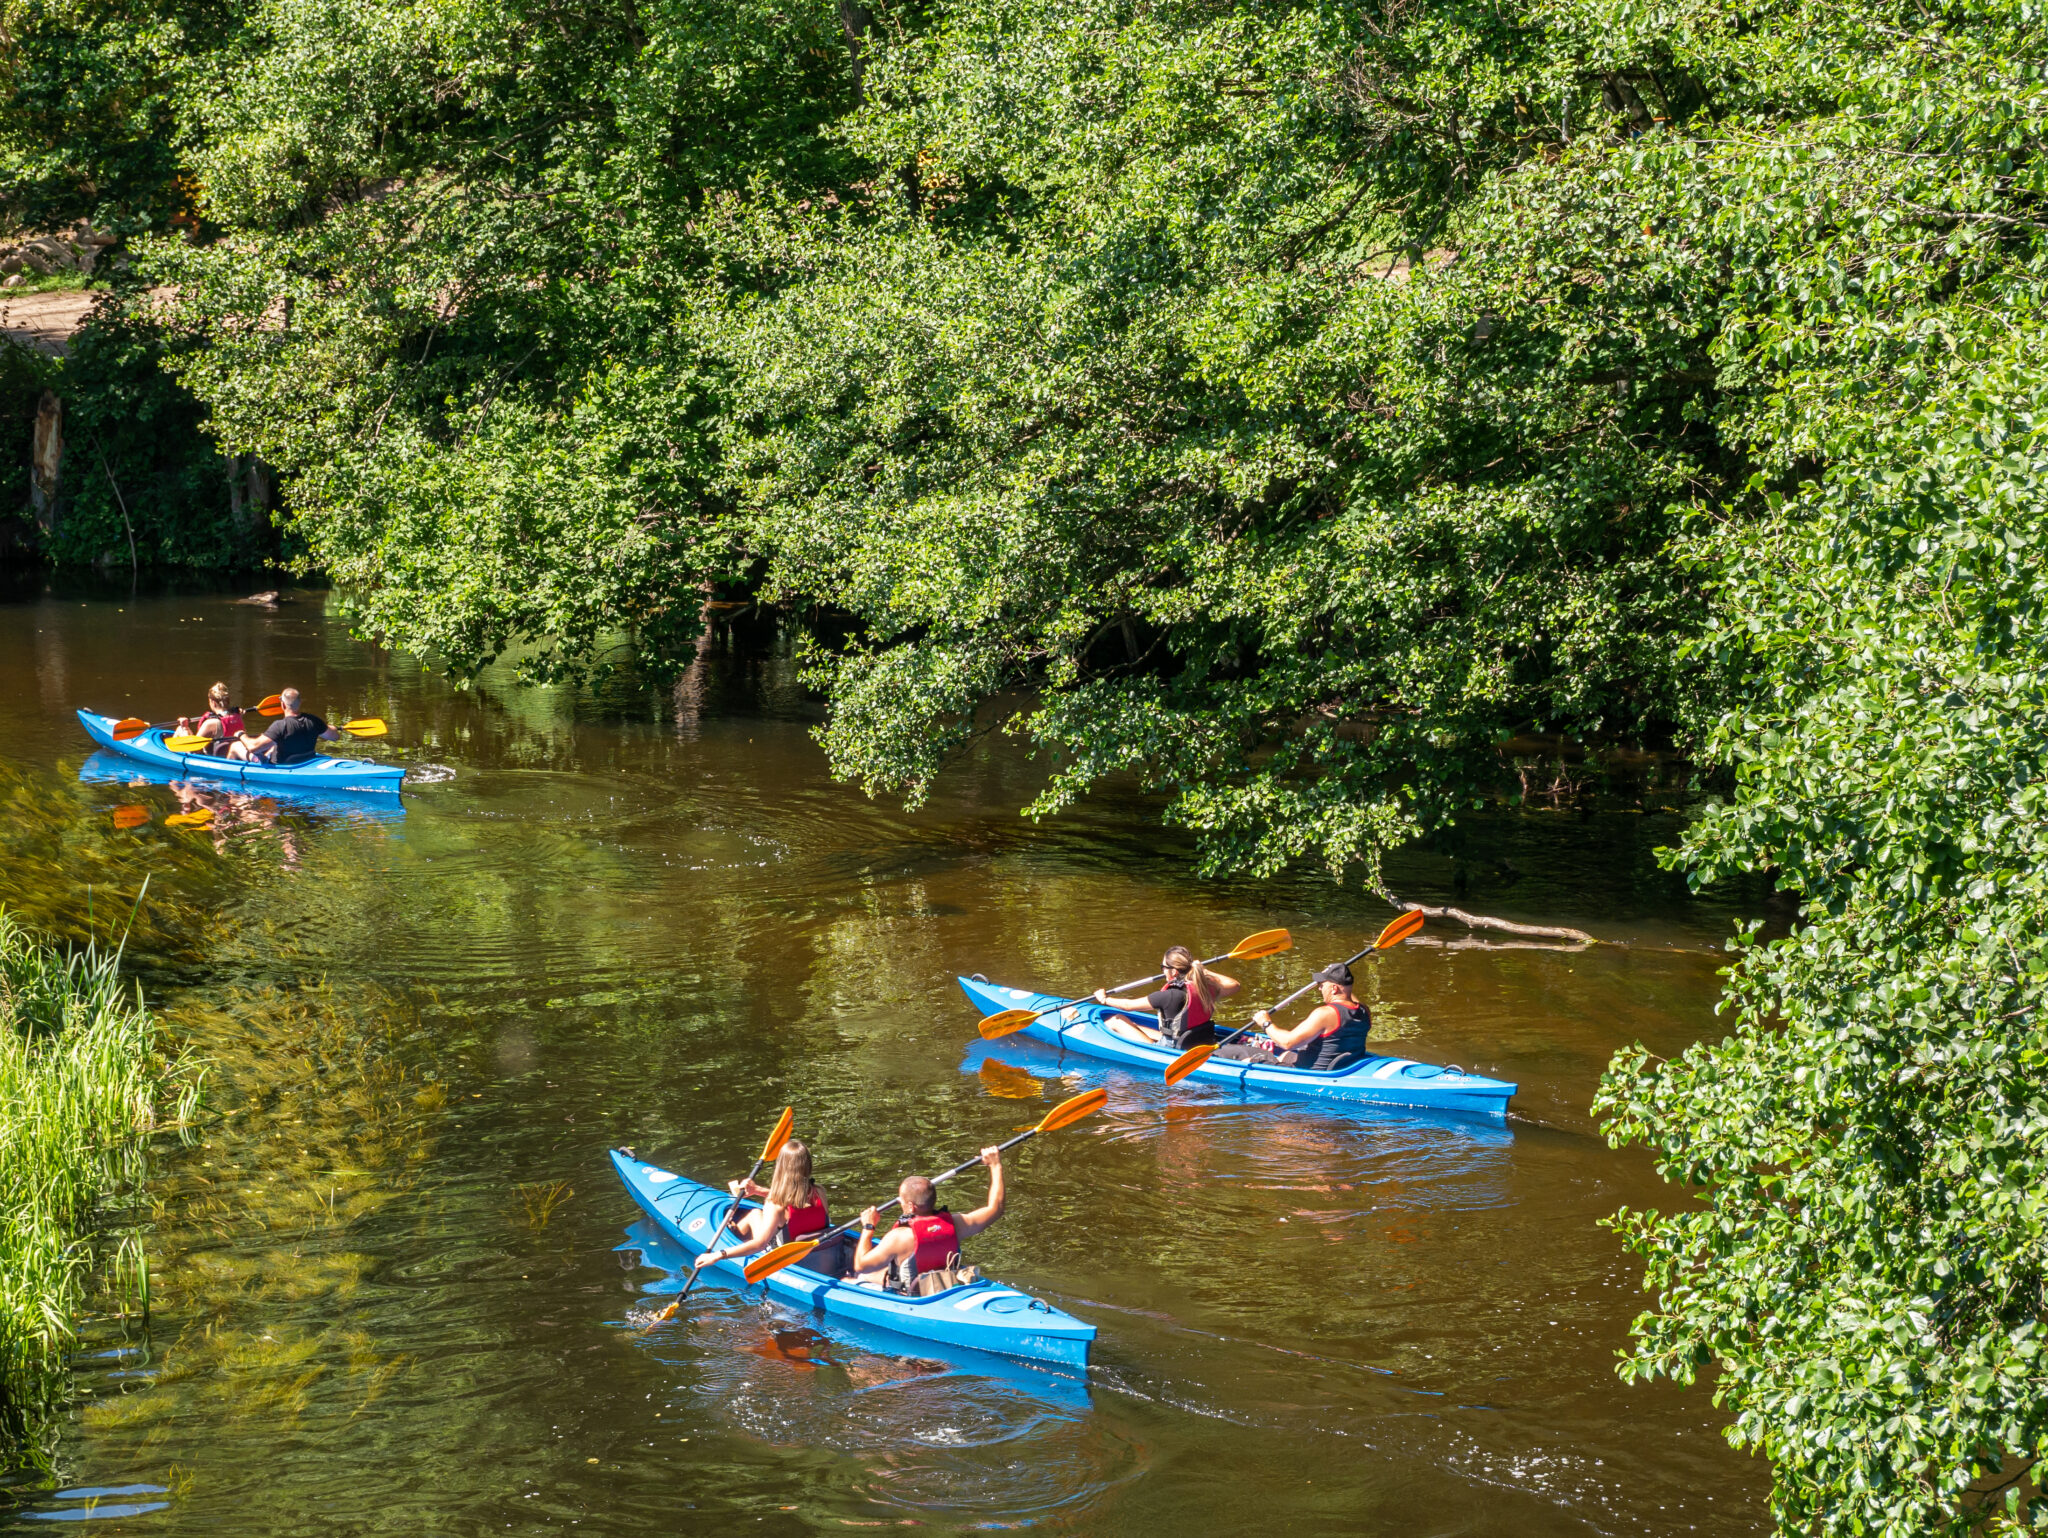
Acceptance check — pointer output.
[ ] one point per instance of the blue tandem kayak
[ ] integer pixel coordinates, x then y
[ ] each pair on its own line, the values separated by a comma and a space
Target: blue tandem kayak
1373, 1080
321, 772
983, 1315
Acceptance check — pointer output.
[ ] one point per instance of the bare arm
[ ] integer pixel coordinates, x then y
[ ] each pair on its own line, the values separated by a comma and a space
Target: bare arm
1130, 1006
1320, 1020
967, 1226
1226, 987
769, 1219
870, 1256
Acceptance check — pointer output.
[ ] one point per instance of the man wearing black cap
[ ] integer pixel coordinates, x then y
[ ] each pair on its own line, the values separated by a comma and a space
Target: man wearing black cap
1333, 1035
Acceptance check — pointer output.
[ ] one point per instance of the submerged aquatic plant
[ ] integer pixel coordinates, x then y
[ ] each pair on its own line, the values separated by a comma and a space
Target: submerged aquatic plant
81, 1082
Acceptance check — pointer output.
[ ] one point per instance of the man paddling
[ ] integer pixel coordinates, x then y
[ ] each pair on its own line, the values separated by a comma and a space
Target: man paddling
288, 740
1332, 1036
927, 1238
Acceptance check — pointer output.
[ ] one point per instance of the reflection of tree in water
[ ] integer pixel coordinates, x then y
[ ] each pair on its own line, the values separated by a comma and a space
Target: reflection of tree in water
319, 1125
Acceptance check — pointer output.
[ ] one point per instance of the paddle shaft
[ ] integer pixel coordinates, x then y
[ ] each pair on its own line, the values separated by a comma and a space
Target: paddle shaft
1143, 982
1276, 1008
731, 1212
897, 1201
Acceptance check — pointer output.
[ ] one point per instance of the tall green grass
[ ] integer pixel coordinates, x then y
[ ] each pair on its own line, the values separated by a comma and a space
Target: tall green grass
82, 1081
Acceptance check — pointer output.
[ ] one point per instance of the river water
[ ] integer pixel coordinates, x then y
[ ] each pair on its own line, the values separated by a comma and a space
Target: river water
397, 1288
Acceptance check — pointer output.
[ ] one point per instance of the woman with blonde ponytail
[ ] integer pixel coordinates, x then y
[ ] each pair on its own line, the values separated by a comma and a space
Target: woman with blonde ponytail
1185, 1008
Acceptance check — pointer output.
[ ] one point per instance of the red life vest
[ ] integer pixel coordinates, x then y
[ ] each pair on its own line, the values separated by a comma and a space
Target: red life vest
798, 1222
937, 1241
230, 723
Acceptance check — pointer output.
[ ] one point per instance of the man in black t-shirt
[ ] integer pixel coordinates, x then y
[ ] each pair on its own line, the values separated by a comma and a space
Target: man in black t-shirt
288, 740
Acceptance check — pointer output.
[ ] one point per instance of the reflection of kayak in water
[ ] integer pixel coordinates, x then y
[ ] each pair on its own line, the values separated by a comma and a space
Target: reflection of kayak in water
1372, 1080
983, 1315
109, 768
871, 1359
321, 772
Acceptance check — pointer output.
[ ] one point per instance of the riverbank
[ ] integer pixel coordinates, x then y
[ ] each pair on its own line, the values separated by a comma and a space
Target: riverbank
82, 1080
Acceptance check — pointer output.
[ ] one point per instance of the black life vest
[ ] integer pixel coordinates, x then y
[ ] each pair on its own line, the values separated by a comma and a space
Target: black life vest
1354, 1023
1188, 1026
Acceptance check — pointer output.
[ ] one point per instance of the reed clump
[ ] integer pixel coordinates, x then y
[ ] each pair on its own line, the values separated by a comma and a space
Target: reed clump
82, 1082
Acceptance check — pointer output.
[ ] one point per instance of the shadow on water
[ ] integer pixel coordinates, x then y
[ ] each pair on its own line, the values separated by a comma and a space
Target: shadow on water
387, 1298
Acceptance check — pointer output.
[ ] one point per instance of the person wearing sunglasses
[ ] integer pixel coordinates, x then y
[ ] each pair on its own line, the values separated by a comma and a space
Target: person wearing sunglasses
1185, 1007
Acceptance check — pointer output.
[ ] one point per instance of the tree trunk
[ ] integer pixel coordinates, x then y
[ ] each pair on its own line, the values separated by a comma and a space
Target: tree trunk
46, 462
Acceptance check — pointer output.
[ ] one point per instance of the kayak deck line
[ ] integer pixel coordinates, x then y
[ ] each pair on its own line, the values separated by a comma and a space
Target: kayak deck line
321, 772
1375, 1079
984, 1315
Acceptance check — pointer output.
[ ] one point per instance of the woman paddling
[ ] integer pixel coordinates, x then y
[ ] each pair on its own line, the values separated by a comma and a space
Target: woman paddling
221, 722
1332, 1036
1186, 1006
792, 1207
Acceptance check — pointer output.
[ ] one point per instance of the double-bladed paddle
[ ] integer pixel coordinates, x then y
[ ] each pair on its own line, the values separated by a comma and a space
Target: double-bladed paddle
1065, 1114
769, 1150
1395, 932
368, 726
1267, 942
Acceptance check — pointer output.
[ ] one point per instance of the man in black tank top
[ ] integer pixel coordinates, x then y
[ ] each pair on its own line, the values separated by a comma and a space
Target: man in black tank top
1333, 1035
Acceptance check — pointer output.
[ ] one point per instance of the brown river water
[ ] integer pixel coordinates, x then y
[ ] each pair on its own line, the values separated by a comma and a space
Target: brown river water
397, 1288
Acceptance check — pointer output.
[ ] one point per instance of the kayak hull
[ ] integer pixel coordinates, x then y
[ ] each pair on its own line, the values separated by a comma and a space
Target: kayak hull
321, 772
983, 1316
1372, 1080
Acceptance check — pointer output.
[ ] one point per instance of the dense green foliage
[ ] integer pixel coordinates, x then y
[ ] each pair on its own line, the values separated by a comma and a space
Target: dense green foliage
1288, 405
81, 1079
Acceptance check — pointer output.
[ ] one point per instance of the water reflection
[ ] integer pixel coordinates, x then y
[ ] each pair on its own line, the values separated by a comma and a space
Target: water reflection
239, 808
926, 1428
387, 1298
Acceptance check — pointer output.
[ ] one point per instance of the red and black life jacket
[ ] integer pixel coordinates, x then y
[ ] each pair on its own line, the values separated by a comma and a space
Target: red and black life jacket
1335, 1048
1189, 1025
801, 1222
230, 727
938, 1241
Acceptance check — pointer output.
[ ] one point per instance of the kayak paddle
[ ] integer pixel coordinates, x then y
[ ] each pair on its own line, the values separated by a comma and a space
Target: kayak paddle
1065, 1114
1395, 932
368, 726
129, 729
1267, 942
769, 1150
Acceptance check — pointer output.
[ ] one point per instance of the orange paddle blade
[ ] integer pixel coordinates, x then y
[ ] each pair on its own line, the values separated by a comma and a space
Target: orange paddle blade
128, 730
1267, 942
1188, 1062
1399, 930
782, 1255
1067, 1112
779, 1136
270, 704
1008, 1023
130, 816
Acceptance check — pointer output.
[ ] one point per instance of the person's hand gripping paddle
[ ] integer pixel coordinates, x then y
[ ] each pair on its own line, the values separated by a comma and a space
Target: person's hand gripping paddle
1267, 942
1399, 930
1065, 1114
769, 1150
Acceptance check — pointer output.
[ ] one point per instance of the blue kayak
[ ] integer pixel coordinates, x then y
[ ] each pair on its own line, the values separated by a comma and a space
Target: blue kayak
1373, 1080
321, 772
983, 1315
